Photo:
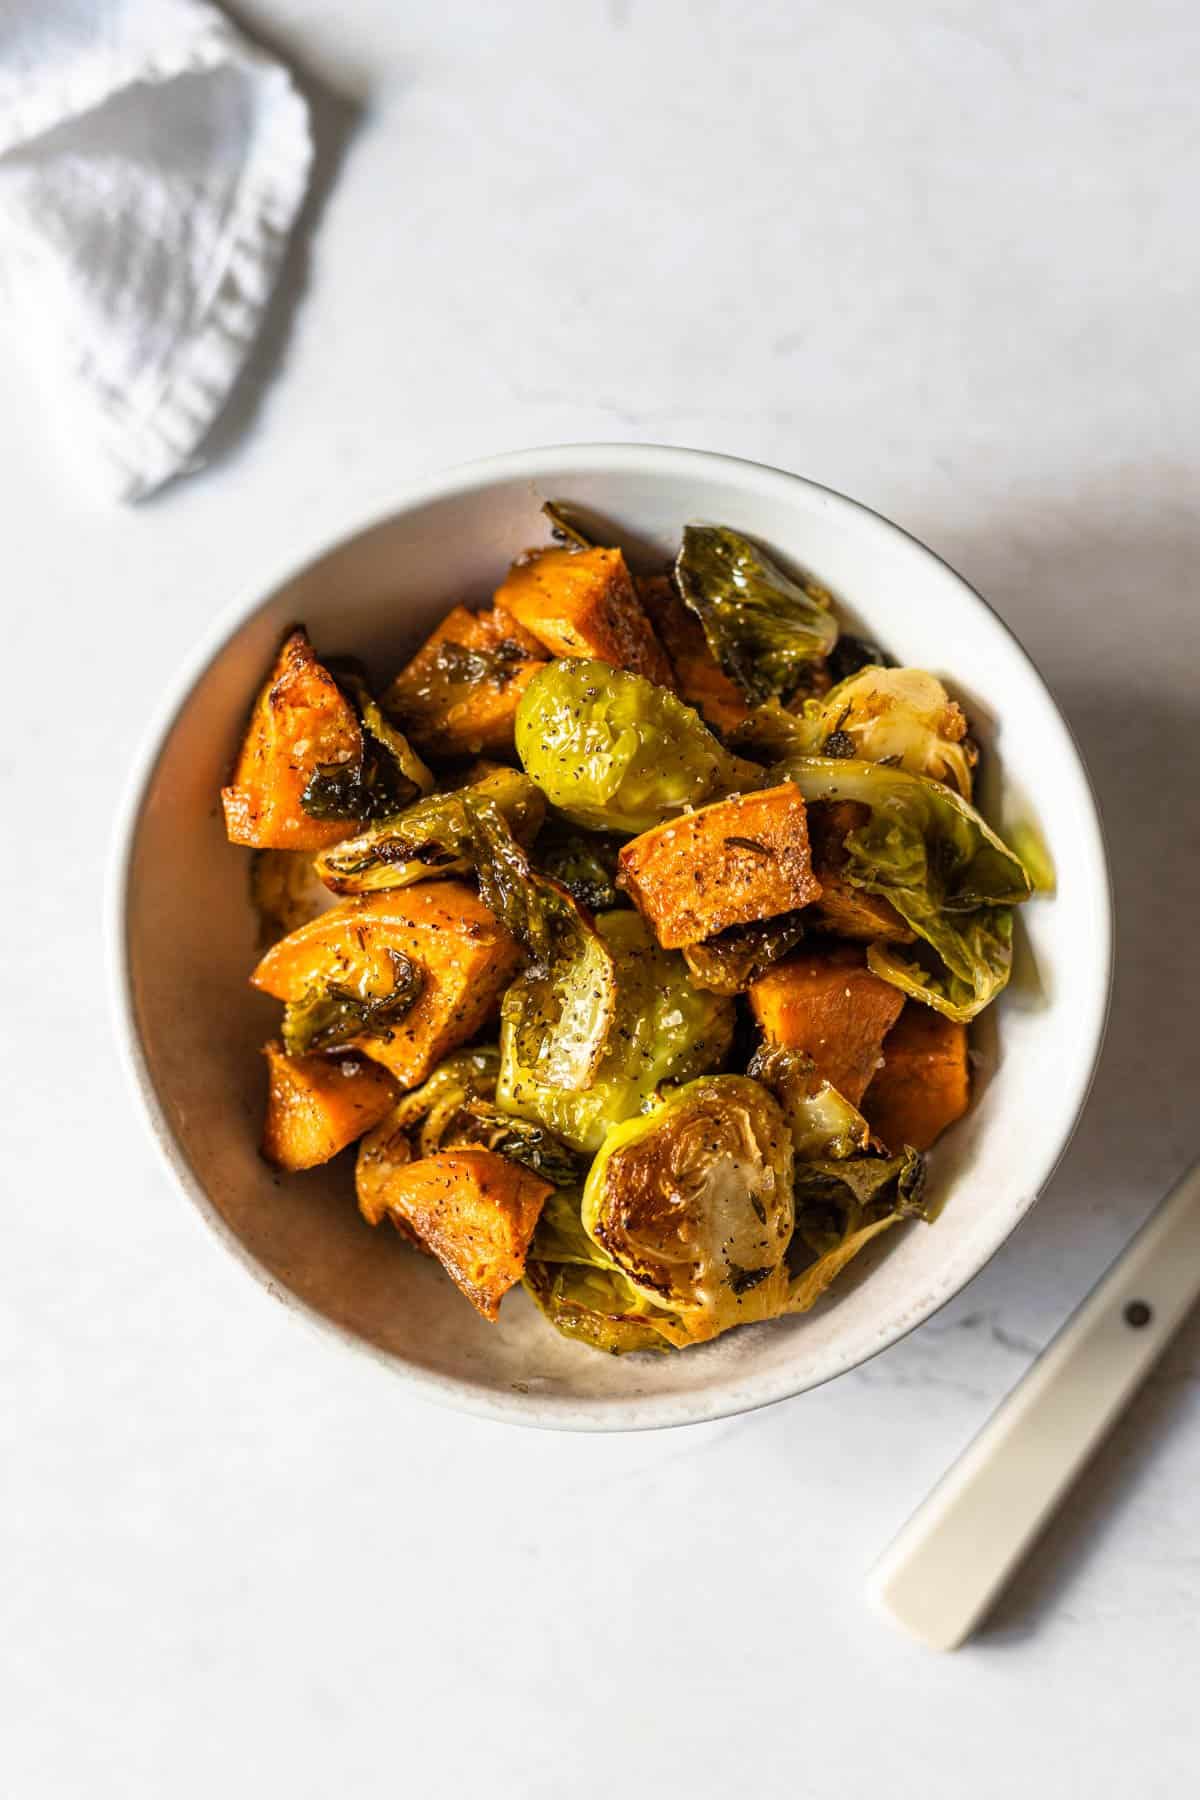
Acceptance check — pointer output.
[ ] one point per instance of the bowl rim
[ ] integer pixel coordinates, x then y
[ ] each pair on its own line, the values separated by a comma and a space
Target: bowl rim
736, 1394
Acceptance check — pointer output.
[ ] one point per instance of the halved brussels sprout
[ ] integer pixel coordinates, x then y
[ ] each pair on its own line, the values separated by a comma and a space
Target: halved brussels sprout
431, 837
942, 867
823, 1122
765, 629
664, 1029
903, 717
614, 752
693, 1203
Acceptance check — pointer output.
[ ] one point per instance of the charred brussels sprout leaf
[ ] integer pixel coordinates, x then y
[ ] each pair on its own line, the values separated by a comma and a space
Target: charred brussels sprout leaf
584, 862
693, 1203
728, 963
764, 628
840, 1208
565, 527
946, 872
850, 654
332, 1017
559, 1012
384, 778
663, 1029
454, 1109
823, 1122
614, 752
431, 837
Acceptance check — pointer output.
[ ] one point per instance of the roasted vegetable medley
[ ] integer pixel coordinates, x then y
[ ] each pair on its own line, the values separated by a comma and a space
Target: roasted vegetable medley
633, 932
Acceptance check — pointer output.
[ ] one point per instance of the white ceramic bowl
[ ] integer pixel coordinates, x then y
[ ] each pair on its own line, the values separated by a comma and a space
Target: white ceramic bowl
183, 940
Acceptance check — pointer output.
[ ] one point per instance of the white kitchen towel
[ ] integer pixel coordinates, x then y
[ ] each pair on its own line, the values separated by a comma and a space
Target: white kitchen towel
152, 163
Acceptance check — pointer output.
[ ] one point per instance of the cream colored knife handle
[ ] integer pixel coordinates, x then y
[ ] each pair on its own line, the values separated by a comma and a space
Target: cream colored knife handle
951, 1559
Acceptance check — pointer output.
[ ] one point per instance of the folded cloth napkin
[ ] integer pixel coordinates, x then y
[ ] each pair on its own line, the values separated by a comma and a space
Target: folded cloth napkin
151, 165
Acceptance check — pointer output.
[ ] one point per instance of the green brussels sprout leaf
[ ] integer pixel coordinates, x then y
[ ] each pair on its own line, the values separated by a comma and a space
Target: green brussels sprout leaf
840, 1207
764, 628
946, 872
559, 1012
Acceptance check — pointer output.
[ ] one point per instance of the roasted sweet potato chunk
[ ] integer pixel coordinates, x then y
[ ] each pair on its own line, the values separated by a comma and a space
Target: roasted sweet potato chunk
316, 1105
699, 677
830, 1005
301, 720
465, 957
730, 863
924, 1083
843, 908
583, 603
458, 696
474, 1209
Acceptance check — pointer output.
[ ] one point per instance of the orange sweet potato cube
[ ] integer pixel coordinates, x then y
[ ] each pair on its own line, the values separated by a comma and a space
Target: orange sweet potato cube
583, 603
464, 955
730, 863
301, 719
473, 1209
924, 1084
316, 1105
458, 696
829, 1004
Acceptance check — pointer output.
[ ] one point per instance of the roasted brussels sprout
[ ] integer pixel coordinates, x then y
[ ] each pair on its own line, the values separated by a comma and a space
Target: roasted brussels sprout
663, 1030
614, 752
431, 837
902, 717
823, 1123
693, 1203
944, 870
764, 629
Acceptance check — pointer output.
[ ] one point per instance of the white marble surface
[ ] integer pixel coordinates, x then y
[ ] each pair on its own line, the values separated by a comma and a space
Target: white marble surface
943, 257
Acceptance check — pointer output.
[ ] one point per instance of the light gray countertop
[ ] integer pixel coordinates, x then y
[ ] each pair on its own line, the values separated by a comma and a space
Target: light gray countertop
944, 258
